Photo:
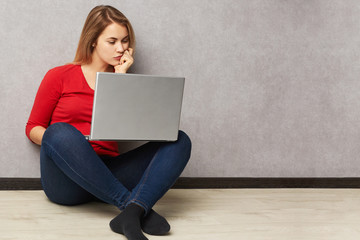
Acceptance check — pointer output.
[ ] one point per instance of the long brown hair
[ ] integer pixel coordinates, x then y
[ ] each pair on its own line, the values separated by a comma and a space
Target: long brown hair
98, 19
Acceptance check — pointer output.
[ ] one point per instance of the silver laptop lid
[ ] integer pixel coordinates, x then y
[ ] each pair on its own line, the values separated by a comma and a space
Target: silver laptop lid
136, 107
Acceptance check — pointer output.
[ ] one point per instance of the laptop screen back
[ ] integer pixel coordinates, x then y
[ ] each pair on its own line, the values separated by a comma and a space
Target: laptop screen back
136, 107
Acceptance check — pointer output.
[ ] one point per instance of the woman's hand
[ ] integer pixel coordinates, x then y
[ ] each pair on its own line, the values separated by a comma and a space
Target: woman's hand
36, 134
125, 62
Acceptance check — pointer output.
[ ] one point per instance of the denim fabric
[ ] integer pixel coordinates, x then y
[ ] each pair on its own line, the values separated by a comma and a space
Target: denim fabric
72, 173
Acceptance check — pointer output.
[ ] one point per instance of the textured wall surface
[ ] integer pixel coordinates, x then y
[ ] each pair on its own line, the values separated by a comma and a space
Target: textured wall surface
272, 86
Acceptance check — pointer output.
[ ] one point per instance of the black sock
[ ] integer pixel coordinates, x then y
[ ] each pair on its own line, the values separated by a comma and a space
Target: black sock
128, 223
155, 224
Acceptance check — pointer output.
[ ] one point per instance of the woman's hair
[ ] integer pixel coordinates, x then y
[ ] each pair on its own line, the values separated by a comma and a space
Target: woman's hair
98, 19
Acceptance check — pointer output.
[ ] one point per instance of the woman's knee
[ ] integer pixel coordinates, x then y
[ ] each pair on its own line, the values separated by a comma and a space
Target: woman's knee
185, 140
60, 127
59, 131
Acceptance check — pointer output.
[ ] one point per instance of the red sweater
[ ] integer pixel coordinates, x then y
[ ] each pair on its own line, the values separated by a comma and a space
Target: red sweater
65, 96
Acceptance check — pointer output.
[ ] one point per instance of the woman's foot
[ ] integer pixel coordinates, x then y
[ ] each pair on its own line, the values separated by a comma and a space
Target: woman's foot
154, 224
128, 223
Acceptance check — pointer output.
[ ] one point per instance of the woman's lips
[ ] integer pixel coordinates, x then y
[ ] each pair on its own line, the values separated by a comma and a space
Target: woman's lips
117, 58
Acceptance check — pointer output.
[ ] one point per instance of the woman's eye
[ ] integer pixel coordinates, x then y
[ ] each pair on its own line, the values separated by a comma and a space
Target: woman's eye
125, 41
112, 42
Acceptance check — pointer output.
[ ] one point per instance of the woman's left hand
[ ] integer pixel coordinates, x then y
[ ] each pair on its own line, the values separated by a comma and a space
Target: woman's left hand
125, 62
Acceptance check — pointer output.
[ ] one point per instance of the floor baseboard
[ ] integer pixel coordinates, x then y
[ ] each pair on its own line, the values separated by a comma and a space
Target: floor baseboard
190, 182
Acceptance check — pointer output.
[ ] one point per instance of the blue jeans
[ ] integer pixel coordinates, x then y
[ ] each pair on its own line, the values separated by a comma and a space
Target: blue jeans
72, 173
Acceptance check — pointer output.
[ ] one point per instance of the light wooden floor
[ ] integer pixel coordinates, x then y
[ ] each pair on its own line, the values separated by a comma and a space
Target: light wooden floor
221, 214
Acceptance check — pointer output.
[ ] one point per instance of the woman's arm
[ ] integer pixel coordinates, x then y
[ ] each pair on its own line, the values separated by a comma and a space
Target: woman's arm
45, 102
36, 134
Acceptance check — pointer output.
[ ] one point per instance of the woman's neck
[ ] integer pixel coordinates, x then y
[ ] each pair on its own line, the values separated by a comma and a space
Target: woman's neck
93, 67
98, 65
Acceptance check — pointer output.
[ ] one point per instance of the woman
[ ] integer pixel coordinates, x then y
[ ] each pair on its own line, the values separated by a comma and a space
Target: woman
76, 171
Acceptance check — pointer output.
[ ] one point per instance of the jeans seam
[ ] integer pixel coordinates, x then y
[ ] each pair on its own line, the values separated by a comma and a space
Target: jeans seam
145, 179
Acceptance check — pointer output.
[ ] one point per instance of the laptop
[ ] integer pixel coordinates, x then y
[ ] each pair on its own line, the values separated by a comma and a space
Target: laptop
136, 107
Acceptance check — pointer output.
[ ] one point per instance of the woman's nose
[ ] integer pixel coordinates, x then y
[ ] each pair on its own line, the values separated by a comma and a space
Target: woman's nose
120, 48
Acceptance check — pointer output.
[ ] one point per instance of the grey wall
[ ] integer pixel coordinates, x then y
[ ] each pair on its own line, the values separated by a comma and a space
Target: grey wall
272, 86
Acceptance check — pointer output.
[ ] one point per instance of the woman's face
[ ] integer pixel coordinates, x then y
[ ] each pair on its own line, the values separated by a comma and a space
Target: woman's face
111, 44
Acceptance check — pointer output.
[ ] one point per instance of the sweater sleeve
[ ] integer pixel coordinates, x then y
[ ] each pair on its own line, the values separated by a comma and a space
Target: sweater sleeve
45, 102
